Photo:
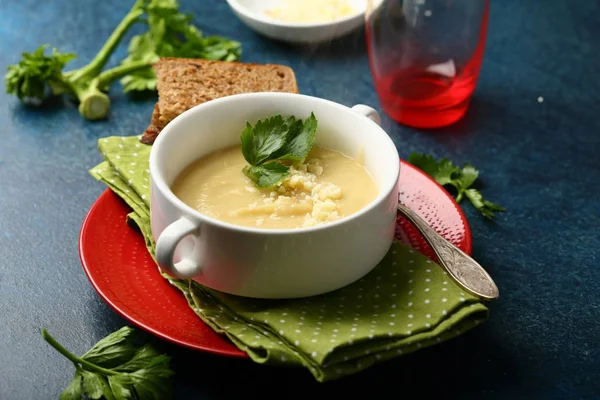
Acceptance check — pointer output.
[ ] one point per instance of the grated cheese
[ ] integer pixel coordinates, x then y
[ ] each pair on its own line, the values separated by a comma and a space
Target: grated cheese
311, 10
300, 195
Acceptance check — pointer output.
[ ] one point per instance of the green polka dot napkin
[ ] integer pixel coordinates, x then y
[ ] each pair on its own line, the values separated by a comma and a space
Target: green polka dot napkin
406, 303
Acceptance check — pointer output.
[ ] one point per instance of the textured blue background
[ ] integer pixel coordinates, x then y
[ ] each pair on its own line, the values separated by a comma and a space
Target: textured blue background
540, 160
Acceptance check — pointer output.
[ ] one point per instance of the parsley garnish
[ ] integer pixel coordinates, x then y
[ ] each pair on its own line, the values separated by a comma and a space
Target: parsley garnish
273, 140
115, 369
166, 32
461, 179
171, 33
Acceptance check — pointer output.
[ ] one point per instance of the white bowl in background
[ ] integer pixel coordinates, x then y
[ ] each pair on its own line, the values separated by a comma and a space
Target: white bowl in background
252, 13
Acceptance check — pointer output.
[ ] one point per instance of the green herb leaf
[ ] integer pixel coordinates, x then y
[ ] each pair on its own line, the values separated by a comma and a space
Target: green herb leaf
276, 139
33, 75
268, 174
171, 34
487, 208
96, 386
262, 141
468, 175
151, 382
73, 391
425, 163
143, 357
461, 179
134, 373
112, 350
299, 140
141, 80
119, 389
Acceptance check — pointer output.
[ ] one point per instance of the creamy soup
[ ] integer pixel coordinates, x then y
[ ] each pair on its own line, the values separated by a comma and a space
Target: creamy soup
327, 186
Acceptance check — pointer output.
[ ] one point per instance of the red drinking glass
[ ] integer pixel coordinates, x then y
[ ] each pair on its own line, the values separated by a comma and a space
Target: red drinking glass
425, 57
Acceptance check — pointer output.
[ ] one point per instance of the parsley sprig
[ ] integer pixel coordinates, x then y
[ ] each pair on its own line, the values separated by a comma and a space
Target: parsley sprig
447, 174
170, 33
115, 369
166, 32
273, 141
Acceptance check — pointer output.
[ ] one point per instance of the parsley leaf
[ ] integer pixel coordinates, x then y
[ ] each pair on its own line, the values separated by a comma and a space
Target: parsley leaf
299, 140
487, 208
112, 350
267, 175
447, 174
261, 141
468, 175
149, 382
141, 359
425, 163
171, 34
114, 370
35, 73
95, 385
75, 388
140, 81
273, 140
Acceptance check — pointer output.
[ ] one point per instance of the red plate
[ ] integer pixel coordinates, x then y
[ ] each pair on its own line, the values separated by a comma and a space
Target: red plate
119, 267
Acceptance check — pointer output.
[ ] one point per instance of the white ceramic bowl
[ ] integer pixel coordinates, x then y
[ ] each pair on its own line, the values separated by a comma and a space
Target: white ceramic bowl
268, 263
252, 13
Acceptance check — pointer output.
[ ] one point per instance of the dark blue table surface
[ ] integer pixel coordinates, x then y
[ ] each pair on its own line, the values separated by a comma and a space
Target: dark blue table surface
540, 160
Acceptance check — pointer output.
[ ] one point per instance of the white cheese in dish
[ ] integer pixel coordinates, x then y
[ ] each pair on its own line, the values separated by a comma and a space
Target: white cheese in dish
311, 11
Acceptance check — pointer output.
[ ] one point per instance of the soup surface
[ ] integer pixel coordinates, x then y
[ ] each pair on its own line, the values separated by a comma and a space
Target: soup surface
327, 186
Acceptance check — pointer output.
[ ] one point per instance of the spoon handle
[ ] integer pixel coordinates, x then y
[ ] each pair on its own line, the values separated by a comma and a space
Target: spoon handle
464, 270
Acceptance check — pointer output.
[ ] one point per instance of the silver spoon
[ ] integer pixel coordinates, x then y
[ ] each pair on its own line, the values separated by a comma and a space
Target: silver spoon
463, 269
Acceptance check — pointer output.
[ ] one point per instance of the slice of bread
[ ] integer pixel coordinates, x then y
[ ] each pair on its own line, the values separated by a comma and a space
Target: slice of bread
183, 83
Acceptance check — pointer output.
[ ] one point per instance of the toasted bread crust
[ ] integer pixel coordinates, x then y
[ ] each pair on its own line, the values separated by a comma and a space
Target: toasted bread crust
184, 83
152, 130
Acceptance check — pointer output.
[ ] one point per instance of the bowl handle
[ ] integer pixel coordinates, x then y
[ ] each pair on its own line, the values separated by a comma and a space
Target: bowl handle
367, 112
166, 244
